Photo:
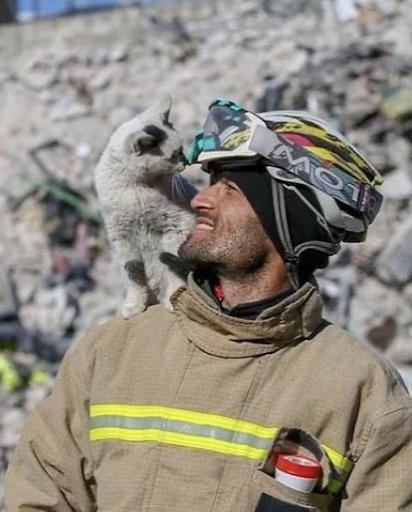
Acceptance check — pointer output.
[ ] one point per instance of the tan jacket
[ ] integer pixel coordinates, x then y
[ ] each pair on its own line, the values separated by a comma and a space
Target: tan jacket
178, 412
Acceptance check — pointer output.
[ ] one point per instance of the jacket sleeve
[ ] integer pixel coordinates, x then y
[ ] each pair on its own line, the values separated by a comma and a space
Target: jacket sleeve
381, 478
51, 467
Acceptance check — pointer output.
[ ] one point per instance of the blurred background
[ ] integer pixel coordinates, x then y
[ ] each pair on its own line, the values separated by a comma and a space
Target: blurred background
72, 70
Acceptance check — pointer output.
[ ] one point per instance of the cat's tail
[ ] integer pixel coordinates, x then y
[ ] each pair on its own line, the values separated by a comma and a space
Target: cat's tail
177, 265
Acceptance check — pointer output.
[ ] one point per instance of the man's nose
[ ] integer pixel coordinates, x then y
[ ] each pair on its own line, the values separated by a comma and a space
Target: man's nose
202, 200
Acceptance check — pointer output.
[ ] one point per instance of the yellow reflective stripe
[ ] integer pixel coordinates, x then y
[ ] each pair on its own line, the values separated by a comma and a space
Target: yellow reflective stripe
335, 485
186, 440
342, 465
339, 461
197, 418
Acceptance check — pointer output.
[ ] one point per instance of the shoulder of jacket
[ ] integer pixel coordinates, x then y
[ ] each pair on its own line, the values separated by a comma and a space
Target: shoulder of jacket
362, 363
118, 332
339, 340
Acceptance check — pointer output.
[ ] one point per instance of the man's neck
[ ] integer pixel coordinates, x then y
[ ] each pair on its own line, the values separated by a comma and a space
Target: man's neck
252, 287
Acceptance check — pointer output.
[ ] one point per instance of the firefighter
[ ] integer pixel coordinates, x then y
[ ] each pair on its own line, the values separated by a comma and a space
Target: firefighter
192, 410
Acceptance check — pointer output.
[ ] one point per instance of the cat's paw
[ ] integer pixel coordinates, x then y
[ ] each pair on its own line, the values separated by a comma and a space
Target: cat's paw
130, 309
168, 305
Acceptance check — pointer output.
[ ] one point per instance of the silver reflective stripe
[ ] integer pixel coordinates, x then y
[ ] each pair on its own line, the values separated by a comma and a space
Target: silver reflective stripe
195, 430
181, 427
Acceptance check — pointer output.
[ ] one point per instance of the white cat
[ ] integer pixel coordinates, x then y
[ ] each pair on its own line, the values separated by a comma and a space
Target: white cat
145, 204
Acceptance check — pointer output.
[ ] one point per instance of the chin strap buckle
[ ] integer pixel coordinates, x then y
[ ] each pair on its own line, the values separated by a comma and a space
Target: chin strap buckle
292, 269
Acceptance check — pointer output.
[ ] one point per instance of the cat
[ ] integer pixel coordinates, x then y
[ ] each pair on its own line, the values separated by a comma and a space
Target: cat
145, 204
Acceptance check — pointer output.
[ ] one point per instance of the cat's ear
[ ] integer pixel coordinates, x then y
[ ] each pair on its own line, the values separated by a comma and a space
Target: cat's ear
140, 143
145, 140
162, 108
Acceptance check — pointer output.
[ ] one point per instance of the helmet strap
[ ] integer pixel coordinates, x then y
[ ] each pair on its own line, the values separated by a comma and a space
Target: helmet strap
290, 257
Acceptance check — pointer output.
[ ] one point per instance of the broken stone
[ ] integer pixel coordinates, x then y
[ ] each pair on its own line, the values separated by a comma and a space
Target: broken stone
68, 108
345, 10
101, 80
374, 313
406, 374
11, 424
118, 54
397, 104
340, 70
394, 265
397, 186
40, 80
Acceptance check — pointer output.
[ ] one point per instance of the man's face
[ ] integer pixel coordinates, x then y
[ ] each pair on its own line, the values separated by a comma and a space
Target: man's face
228, 236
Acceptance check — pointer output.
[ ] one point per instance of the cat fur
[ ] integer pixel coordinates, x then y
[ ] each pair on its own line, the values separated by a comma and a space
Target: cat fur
145, 204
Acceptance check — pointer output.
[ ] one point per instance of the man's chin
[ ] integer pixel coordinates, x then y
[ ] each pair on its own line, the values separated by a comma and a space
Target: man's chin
189, 254
196, 254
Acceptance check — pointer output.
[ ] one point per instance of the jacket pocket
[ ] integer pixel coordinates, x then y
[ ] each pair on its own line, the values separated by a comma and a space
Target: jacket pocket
277, 497
270, 504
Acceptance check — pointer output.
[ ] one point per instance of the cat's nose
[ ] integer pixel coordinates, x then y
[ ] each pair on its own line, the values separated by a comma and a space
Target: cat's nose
179, 157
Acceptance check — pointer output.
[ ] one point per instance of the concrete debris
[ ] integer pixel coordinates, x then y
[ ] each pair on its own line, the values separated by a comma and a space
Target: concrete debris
394, 265
346, 10
397, 104
66, 84
397, 186
67, 108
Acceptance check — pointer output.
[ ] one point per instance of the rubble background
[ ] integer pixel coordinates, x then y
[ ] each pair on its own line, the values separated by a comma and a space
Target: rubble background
66, 83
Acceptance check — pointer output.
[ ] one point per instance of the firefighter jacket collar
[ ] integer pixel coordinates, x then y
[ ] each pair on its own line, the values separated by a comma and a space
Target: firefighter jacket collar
294, 319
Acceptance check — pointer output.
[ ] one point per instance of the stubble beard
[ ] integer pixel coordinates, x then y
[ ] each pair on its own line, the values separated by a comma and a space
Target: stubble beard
240, 254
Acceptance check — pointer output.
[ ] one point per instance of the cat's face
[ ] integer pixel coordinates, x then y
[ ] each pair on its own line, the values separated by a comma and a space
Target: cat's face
148, 144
